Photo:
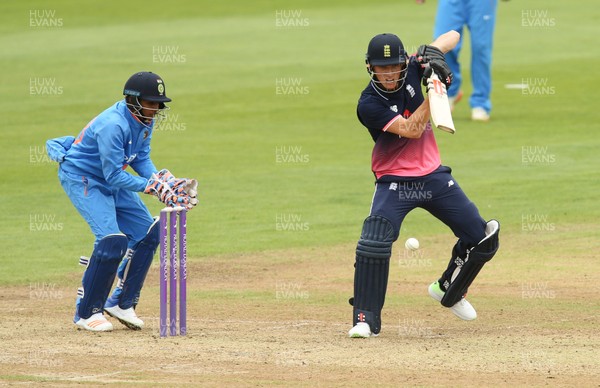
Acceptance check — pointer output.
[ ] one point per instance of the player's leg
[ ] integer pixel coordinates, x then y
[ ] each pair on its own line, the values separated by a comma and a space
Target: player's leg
477, 243
143, 231
97, 280
451, 15
482, 19
95, 204
373, 253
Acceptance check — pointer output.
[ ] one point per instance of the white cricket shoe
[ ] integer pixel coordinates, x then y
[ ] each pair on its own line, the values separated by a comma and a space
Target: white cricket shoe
126, 317
479, 114
462, 309
361, 330
96, 322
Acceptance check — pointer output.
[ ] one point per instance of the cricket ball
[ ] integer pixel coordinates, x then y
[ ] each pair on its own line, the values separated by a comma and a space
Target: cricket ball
412, 244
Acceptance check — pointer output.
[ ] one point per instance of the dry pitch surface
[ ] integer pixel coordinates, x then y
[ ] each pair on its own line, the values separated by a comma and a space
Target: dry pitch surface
281, 318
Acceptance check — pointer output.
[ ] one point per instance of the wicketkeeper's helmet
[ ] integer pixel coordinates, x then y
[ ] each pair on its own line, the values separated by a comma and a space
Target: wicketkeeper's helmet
147, 86
384, 50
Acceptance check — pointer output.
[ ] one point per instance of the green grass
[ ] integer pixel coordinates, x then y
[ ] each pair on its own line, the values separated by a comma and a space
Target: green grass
224, 95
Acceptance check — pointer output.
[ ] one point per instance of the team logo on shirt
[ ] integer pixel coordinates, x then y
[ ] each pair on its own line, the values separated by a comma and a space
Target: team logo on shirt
394, 108
411, 90
128, 159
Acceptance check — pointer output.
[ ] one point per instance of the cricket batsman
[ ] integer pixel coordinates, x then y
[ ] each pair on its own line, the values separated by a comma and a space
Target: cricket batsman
409, 174
92, 171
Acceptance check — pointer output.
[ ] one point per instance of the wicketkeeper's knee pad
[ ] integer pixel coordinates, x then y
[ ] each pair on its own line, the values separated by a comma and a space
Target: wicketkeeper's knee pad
100, 273
371, 271
138, 266
467, 269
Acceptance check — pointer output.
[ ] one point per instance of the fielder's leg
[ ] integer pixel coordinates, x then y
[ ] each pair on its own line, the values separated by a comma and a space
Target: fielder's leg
371, 275
482, 18
97, 280
134, 274
451, 16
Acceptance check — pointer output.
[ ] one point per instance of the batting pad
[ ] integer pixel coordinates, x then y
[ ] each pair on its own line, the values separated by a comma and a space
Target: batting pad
371, 271
138, 267
467, 269
100, 273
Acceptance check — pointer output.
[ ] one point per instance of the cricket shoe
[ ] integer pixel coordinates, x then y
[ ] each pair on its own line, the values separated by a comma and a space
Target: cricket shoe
96, 322
361, 330
455, 99
462, 309
126, 317
479, 114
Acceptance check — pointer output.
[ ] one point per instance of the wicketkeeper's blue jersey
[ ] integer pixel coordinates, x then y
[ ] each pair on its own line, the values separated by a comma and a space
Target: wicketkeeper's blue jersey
108, 144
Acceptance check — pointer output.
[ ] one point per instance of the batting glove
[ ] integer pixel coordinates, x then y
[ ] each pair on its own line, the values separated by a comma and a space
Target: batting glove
426, 54
441, 69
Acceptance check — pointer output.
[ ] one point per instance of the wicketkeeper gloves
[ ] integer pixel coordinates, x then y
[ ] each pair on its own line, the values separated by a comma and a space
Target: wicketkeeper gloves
171, 191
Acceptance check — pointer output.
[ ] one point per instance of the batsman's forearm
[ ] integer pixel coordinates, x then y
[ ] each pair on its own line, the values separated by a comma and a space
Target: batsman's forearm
414, 126
446, 42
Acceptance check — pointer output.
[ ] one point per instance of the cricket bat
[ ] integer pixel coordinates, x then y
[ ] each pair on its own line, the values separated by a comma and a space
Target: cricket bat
441, 116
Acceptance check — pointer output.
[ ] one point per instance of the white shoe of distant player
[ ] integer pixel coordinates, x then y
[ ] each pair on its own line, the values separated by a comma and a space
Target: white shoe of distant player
455, 99
462, 309
479, 114
361, 330
126, 317
96, 322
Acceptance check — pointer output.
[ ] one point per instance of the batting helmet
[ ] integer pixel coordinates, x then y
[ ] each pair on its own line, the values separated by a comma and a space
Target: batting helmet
385, 50
147, 86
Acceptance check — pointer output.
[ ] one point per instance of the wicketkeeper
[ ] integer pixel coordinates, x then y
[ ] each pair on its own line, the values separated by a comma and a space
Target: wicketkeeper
409, 174
92, 171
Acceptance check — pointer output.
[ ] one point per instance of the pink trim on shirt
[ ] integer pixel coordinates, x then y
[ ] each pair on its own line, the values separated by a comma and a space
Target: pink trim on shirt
393, 155
390, 123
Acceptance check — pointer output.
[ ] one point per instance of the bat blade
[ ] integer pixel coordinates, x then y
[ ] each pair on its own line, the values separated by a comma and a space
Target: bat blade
441, 115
